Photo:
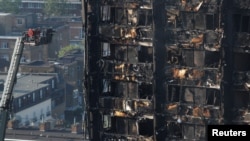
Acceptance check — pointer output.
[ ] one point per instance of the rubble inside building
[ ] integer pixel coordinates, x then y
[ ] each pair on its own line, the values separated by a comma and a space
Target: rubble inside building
162, 70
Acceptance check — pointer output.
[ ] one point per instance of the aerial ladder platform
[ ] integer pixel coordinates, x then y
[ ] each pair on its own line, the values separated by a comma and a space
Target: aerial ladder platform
38, 37
6, 100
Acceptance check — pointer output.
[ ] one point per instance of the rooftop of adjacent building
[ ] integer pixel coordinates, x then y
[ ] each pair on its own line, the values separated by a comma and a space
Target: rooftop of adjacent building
4, 14
9, 37
28, 83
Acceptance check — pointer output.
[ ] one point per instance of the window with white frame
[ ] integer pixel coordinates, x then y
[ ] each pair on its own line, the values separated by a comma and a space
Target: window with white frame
19, 102
5, 57
19, 21
23, 59
81, 33
34, 116
41, 94
34, 97
39, 5
79, 82
31, 5
53, 84
4, 45
48, 111
60, 36
41, 115
20, 5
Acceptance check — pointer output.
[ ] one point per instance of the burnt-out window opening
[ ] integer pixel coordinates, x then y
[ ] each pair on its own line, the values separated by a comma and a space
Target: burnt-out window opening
174, 130
212, 21
106, 122
112, 51
124, 89
119, 89
120, 53
240, 65
171, 37
245, 24
132, 127
119, 104
145, 18
212, 78
172, 18
174, 56
199, 58
106, 103
188, 20
212, 38
193, 20
106, 51
132, 54
146, 127
127, 54
132, 17
105, 12
188, 131
193, 95
242, 23
144, 34
113, 124
242, 43
145, 54
121, 125
199, 96
193, 58
213, 97
112, 15
237, 24
199, 21
173, 93
188, 95
239, 78
145, 91
106, 90
200, 132
121, 16
105, 66
241, 99
132, 90
212, 59
192, 131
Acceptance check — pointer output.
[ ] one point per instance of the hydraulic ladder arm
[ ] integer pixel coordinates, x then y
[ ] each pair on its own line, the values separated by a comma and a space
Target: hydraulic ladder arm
6, 99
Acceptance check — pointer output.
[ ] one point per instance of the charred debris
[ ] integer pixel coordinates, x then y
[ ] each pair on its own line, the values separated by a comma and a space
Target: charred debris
161, 70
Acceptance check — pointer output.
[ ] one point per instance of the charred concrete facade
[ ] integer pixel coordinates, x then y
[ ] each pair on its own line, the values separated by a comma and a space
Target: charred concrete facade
164, 69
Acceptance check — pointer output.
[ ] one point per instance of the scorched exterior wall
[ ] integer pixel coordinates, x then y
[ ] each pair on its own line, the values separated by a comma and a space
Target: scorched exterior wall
164, 69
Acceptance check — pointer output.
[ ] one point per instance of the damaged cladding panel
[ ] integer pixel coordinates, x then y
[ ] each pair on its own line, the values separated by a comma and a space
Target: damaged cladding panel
194, 59
193, 72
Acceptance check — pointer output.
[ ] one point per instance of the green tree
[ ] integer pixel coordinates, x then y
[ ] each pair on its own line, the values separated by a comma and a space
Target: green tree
10, 6
55, 7
67, 49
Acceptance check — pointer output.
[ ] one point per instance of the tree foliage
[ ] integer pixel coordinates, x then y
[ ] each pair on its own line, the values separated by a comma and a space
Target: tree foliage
67, 49
55, 7
10, 6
